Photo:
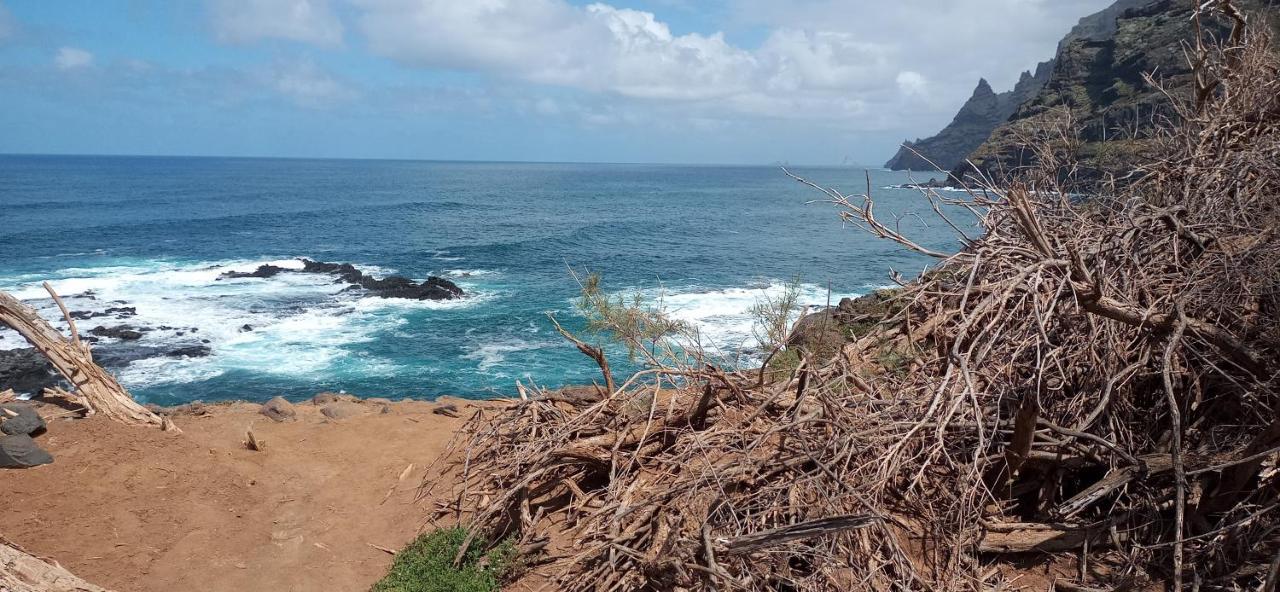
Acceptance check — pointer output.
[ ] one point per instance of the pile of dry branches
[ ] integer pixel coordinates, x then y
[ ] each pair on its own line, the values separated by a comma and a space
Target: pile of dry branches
1088, 388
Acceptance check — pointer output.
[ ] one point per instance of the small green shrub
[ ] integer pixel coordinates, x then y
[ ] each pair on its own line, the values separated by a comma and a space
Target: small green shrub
426, 565
784, 363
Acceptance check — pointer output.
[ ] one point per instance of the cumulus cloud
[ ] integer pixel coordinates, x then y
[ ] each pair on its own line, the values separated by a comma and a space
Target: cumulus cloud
598, 47
630, 53
308, 85
951, 44
851, 61
304, 21
72, 58
912, 84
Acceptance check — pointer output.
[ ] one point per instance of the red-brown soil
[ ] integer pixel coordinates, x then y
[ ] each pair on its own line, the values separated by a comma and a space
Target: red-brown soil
136, 509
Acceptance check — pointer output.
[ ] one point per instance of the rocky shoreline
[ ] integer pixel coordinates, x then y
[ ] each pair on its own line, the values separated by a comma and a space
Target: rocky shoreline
26, 371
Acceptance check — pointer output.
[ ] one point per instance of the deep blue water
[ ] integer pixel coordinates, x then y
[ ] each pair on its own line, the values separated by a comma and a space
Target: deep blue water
155, 233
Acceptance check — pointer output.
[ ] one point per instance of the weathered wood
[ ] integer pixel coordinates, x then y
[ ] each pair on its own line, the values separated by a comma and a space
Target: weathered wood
21, 572
812, 529
74, 361
1045, 538
1117, 478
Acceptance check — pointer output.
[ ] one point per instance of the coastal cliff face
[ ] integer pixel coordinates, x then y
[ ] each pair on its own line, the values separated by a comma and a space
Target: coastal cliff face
1098, 90
982, 113
1097, 77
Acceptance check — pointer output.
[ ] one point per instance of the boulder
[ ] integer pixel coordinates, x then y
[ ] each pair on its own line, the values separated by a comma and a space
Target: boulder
26, 423
326, 398
818, 333
246, 328
190, 351
123, 332
278, 409
342, 410
20, 452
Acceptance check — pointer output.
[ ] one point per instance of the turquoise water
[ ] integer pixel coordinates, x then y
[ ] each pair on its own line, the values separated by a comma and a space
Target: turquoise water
155, 233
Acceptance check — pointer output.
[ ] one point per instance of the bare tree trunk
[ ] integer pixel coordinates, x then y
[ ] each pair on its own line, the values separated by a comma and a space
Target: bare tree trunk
20, 572
72, 358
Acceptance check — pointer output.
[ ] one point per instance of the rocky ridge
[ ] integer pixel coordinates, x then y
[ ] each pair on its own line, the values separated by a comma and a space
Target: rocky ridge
982, 113
1098, 75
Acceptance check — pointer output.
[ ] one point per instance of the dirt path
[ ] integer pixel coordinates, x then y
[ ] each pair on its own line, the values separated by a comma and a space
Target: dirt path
135, 509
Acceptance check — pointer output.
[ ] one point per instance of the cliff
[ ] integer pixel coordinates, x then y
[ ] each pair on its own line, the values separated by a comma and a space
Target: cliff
982, 113
1098, 78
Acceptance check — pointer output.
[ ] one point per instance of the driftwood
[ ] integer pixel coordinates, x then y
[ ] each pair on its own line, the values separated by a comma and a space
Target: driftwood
21, 572
72, 358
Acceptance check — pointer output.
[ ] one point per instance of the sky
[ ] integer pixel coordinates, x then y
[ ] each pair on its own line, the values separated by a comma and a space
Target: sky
661, 81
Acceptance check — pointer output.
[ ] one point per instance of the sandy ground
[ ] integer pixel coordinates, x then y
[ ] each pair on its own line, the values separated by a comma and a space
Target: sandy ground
135, 509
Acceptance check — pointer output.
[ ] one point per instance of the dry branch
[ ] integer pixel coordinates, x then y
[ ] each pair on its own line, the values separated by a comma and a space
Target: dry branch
1090, 376
72, 358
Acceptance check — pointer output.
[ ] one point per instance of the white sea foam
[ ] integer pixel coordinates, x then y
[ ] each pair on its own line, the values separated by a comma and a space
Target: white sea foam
464, 273
494, 353
445, 256
723, 318
302, 324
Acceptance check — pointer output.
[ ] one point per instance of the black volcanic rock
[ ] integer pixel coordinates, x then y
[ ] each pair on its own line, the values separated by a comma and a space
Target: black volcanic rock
123, 332
393, 286
346, 272
20, 452
190, 351
24, 420
26, 371
263, 271
982, 113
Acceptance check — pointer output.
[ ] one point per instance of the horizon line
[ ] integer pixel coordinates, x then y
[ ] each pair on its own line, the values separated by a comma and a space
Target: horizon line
437, 160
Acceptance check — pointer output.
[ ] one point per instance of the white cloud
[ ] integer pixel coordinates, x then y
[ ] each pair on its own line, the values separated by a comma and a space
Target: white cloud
307, 85
912, 84
305, 21
72, 58
603, 49
598, 48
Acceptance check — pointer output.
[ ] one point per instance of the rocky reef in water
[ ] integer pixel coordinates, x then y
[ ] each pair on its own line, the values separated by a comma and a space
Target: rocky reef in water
393, 286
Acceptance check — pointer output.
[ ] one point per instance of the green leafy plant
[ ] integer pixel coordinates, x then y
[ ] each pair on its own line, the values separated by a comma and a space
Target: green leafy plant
633, 320
427, 565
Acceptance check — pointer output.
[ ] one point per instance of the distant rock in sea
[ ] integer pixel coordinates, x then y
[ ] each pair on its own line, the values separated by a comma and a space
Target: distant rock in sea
393, 286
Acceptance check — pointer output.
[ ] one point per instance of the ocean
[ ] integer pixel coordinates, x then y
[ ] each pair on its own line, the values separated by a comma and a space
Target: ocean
155, 233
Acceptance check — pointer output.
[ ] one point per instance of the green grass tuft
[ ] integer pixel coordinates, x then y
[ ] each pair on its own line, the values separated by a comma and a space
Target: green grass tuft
426, 565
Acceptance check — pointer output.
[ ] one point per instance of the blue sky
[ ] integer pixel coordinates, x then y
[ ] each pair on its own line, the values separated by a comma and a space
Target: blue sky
686, 81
